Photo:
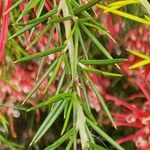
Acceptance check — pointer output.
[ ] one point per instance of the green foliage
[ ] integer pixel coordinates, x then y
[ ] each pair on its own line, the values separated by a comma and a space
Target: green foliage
75, 23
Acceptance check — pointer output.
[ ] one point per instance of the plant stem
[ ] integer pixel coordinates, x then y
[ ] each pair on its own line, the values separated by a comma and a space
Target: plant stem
67, 25
81, 120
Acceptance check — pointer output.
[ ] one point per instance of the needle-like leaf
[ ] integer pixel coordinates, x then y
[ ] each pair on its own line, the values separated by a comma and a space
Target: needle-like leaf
67, 117
13, 6
61, 140
95, 146
85, 7
102, 102
102, 61
42, 18
53, 76
93, 70
51, 22
97, 43
41, 54
48, 122
55, 98
104, 135
40, 81
30, 5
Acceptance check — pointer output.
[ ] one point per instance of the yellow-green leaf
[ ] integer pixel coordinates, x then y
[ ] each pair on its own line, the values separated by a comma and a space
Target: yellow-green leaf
147, 18
126, 15
119, 4
141, 63
138, 54
109, 9
123, 3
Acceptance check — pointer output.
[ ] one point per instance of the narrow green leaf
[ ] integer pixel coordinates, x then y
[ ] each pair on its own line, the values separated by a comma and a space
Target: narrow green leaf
27, 27
85, 7
58, 97
81, 77
16, 29
42, 18
88, 112
46, 47
67, 117
48, 122
101, 30
41, 54
18, 47
93, 70
40, 81
40, 8
85, 103
82, 45
70, 8
60, 83
38, 37
68, 147
104, 135
102, 61
74, 124
30, 5
58, 20
97, 43
83, 20
51, 22
108, 73
38, 13
95, 146
102, 102
13, 6
85, 14
66, 109
61, 140
53, 76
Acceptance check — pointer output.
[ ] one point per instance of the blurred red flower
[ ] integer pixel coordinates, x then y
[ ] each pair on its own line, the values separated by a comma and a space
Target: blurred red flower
4, 28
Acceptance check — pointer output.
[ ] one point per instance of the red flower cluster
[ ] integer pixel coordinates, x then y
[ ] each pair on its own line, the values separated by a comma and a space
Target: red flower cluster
134, 114
114, 25
139, 39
